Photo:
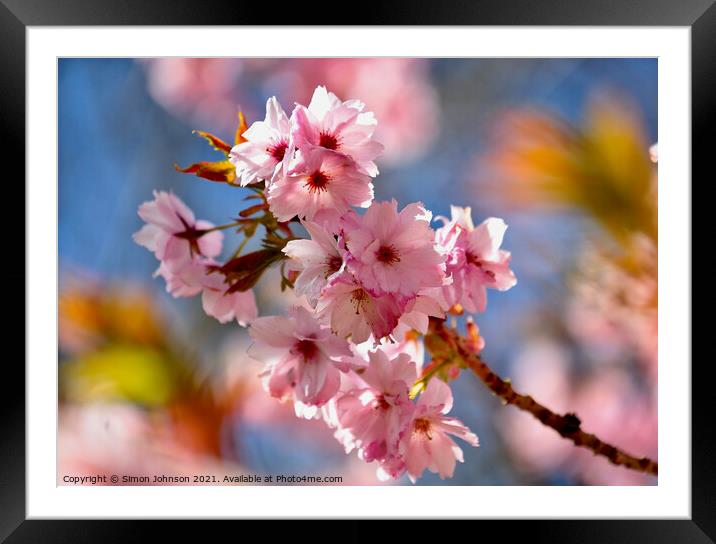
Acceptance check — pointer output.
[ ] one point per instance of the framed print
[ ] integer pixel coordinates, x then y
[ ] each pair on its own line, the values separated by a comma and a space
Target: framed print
432, 265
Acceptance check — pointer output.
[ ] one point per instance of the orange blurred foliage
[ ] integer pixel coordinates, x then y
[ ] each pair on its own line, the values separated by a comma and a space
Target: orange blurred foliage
602, 167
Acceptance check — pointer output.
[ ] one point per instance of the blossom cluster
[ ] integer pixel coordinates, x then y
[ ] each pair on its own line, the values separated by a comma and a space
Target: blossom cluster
315, 164
186, 249
371, 282
362, 392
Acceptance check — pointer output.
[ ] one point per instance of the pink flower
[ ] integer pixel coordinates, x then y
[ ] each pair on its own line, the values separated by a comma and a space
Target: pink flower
397, 90
225, 307
179, 242
337, 126
428, 303
373, 417
305, 354
318, 260
320, 186
402, 342
172, 232
353, 311
267, 149
185, 280
475, 260
428, 445
193, 278
185, 252
394, 252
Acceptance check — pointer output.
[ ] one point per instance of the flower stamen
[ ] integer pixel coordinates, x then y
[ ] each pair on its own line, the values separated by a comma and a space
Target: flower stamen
387, 254
472, 259
278, 150
307, 349
358, 298
422, 426
381, 403
317, 182
328, 141
333, 265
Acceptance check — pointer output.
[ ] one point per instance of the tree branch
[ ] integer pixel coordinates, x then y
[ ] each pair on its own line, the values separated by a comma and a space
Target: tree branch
568, 425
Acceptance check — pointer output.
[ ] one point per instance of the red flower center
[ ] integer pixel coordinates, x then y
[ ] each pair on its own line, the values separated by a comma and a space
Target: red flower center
329, 141
387, 254
317, 182
278, 150
307, 349
381, 403
190, 234
333, 264
472, 259
359, 297
422, 426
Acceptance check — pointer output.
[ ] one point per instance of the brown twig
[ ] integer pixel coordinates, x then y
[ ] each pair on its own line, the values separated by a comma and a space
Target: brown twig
568, 425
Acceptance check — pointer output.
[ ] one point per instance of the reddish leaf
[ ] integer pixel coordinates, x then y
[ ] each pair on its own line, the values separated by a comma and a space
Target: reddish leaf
253, 209
243, 272
246, 282
222, 171
216, 142
243, 127
286, 229
250, 261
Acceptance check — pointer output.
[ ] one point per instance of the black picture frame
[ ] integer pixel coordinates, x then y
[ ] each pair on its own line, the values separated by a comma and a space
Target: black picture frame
16, 15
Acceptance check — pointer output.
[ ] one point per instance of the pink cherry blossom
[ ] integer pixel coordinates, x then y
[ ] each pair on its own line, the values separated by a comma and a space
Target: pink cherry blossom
337, 126
401, 341
185, 253
172, 232
394, 252
475, 260
353, 311
177, 239
428, 303
318, 260
428, 445
398, 91
185, 279
373, 417
302, 355
320, 186
366, 285
193, 278
267, 149
224, 306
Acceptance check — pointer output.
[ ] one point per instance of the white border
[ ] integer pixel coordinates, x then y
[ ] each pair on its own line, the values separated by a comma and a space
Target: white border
671, 498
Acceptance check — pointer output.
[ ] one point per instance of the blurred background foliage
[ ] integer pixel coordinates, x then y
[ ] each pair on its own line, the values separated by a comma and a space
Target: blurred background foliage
560, 148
